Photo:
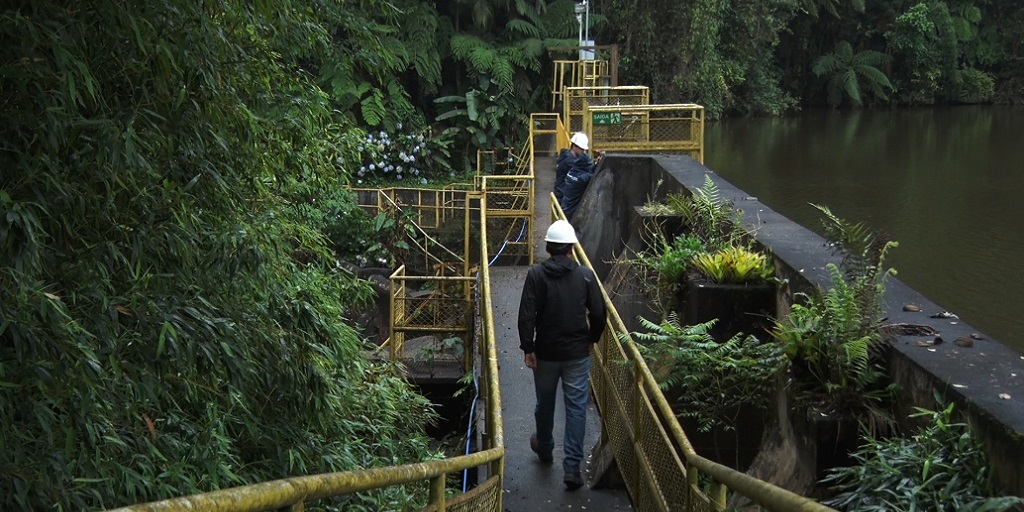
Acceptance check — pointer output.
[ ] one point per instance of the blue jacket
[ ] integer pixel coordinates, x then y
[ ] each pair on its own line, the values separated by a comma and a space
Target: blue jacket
565, 163
573, 188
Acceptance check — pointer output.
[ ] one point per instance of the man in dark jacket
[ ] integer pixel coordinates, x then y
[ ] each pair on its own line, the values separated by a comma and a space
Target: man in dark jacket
561, 315
573, 159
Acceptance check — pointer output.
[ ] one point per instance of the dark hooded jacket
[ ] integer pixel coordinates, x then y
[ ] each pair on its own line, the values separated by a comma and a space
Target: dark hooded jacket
561, 313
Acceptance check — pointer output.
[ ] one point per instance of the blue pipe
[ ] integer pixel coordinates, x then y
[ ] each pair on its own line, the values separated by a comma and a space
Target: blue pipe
505, 244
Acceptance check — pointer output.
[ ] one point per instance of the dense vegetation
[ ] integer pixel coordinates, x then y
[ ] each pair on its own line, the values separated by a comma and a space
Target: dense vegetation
172, 214
753, 56
167, 325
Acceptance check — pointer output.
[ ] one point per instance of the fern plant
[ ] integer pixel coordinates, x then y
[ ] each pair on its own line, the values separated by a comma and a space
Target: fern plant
708, 216
833, 338
711, 379
849, 75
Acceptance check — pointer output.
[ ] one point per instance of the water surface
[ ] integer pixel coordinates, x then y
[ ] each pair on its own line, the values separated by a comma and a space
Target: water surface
946, 183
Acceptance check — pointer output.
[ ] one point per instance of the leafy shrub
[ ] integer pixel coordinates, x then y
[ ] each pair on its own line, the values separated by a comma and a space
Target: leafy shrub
708, 216
712, 379
942, 468
733, 265
833, 339
166, 327
977, 86
674, 259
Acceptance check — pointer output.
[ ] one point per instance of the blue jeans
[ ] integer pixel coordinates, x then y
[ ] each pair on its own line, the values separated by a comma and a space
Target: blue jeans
575, 377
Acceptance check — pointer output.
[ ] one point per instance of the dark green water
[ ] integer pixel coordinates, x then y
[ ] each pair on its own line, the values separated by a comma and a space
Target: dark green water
946, 183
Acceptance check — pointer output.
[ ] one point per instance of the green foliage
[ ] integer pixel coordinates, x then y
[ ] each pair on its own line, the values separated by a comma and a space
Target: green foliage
171, 323
839, 363
674, 259
478, 122
942, 468
976, 86
924, 43
733, 265
497, 53
347, 230
849, 74
833, 339
752, 57
711, 379
816, 7
374, 72
708, 216
717, 53
393, 231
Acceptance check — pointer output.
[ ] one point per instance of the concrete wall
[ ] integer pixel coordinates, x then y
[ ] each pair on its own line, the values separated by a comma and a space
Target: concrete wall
974, 377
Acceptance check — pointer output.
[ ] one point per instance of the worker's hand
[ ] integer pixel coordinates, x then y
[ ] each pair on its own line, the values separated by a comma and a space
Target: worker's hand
530, 360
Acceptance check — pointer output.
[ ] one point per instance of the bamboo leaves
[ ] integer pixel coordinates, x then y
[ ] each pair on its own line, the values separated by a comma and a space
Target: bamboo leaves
165, 324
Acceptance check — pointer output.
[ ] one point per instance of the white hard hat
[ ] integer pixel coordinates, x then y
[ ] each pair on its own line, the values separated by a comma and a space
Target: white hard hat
581, 140
561, 232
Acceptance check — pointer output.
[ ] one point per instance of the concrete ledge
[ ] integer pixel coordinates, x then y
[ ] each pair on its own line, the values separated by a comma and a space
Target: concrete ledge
974, 377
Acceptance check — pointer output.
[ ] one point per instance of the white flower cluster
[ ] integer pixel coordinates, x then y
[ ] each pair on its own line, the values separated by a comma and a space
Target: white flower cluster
394, 157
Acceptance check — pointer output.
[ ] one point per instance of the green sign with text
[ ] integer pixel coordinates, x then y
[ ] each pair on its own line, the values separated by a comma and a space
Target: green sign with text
607, 118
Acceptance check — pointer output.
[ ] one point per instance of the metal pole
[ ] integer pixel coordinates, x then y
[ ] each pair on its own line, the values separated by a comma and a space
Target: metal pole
586, 3
579, 19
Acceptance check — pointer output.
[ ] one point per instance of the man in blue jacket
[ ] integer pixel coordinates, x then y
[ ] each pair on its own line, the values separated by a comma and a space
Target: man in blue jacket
573, 171
561, 315
575, 157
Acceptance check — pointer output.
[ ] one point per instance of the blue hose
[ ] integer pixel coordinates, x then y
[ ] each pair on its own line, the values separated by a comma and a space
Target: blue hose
469, 431
505, 244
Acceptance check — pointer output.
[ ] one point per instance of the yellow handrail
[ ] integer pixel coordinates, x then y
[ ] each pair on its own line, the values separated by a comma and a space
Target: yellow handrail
289, 492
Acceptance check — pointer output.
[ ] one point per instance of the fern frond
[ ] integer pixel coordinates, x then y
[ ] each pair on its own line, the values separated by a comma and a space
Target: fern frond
851, 85
522, 28
824, 65
481, 59
530, 50
372, 108
463, 45
503, 72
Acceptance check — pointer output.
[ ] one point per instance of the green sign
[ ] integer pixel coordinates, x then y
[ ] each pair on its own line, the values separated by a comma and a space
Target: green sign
607, 117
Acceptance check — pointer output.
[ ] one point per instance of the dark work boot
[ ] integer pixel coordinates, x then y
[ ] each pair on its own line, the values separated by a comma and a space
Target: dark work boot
545, 458
573, 481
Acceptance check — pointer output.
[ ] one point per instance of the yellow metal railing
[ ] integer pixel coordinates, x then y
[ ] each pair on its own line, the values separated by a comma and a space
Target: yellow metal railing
659, 466
446, 310
579, 99
547, 134
577, 73
427, 210
646, 129
510, 199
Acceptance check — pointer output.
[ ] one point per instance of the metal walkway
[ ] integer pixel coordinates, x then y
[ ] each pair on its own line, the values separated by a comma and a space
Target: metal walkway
528, 484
